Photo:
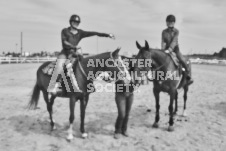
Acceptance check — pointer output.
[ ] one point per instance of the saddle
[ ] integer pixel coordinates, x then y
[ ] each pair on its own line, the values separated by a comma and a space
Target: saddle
48, 70
174, 58
180, 68
68, 70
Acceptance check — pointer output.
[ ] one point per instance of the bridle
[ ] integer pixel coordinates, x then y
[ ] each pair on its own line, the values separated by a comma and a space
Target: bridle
154, 69
124, 71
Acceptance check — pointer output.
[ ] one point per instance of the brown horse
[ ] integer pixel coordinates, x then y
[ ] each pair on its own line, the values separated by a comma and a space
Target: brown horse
167, 78
82, 70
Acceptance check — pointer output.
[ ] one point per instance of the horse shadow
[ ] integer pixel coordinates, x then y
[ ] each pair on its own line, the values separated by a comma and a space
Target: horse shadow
102, 124
139, 118
26, 124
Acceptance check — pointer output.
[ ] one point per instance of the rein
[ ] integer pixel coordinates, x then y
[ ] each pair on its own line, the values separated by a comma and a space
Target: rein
157, 67
160, 66
83, 72
127, 75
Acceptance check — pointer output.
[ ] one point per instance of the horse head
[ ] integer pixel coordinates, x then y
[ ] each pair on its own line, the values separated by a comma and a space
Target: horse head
151, 59
117, 68
109, 62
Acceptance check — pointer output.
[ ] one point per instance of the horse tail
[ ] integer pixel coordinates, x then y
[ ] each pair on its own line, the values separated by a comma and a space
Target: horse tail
35, 97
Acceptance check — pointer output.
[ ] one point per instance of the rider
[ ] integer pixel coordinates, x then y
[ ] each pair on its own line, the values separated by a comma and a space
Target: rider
70, 37
170, 43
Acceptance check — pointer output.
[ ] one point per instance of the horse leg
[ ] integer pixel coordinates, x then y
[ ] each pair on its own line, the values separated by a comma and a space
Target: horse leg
52, 98
71, 118
185, 100
176, 104
129, 102
83, 104
49, 108
171, 120
157, 107
121, 105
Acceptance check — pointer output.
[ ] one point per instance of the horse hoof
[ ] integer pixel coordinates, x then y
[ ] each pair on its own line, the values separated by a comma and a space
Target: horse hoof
155, 125
125, 134
148, 110
117, 136
54, 127
170, 128
70, 137
84, 135
184, 114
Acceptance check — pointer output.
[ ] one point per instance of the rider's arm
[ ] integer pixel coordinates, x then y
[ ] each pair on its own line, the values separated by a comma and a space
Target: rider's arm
85, 34
163, 44
174, 42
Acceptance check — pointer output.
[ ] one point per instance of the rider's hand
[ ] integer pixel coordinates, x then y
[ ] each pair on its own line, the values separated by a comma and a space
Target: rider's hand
167, 51
79, 51
78, 47
111, 36
73, 47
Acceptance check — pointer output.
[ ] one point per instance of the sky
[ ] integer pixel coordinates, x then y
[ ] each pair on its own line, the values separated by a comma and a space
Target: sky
202, 24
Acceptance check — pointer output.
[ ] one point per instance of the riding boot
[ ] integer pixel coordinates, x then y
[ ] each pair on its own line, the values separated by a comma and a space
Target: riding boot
189, 78
184, 64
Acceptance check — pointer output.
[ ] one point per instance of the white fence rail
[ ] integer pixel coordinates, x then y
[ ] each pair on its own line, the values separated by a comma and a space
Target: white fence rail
208, 61
4, 60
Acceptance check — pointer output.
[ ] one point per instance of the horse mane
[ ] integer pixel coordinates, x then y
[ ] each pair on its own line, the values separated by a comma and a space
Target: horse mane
158, 55
96, 55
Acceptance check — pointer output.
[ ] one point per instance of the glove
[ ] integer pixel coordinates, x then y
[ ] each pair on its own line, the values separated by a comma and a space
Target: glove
111, 36
167, 51
76, 47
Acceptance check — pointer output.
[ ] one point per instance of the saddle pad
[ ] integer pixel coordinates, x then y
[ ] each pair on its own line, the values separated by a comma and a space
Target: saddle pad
49, 68
174, 58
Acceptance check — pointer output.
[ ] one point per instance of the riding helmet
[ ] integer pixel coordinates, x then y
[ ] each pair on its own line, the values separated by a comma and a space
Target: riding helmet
170, 18
75, 18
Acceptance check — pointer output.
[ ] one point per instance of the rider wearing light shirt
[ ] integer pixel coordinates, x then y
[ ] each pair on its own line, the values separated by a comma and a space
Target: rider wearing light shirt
170, 43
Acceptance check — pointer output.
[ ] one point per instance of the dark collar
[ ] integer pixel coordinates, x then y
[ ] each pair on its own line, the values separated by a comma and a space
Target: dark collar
170, 29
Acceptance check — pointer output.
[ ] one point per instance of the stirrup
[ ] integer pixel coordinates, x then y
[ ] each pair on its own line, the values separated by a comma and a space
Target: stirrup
190, 81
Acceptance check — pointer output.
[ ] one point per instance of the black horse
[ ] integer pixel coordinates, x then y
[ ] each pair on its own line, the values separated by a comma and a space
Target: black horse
85, 82
162, 64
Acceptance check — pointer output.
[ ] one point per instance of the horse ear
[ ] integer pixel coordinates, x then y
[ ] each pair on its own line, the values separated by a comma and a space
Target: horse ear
146, 44
115, 53
138, 45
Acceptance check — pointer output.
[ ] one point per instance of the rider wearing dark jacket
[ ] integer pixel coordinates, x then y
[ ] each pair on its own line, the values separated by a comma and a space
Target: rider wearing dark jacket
70, 38
170, 43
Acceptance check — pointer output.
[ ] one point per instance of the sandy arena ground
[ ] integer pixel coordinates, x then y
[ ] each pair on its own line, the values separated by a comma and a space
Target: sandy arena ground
23, 130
